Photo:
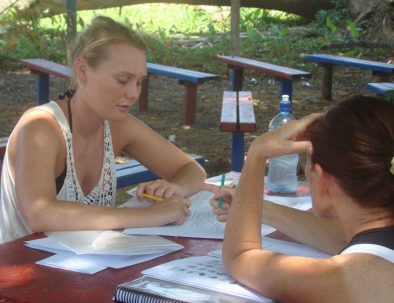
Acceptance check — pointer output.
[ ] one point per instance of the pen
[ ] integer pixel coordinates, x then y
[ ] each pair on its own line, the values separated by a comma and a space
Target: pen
152, 197
222, 184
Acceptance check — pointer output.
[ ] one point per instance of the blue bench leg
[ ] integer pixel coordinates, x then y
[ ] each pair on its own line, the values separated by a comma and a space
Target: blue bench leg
237, 151
42, 89
286, 88
236, 78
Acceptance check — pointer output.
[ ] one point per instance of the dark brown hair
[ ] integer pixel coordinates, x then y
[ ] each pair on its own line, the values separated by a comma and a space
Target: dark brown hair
354, 142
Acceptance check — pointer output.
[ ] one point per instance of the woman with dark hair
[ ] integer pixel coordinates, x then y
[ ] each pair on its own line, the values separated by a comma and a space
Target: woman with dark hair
59, 167
350, 169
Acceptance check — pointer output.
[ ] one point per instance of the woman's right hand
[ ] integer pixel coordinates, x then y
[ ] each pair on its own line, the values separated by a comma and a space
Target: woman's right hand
293, 137
173, 210
227, 195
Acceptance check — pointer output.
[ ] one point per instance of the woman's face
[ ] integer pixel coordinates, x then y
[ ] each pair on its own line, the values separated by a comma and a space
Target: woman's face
112, 87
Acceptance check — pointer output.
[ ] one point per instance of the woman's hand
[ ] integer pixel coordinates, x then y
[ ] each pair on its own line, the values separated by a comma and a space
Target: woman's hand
159, 188
292, 137
227, 195
173, 210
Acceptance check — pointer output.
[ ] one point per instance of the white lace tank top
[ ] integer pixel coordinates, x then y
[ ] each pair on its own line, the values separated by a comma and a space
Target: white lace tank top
104, 193
13, 224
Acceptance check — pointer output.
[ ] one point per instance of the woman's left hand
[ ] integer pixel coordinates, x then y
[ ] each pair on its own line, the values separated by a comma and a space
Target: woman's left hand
159, 188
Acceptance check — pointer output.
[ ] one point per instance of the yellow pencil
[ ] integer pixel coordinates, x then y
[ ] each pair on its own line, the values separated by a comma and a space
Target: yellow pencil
152, 197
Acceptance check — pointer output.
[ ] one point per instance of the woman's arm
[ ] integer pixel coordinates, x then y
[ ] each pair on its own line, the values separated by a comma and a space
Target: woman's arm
280, 277
36, 149
305, 227
162, 157
302, 226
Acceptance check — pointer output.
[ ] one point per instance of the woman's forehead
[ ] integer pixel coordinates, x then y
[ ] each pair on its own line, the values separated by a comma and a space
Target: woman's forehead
127, 58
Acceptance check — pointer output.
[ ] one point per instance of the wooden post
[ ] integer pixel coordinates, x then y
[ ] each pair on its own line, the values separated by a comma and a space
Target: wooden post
235, 20
71, 20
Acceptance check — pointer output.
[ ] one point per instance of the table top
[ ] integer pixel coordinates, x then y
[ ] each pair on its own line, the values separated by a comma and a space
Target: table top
21, 280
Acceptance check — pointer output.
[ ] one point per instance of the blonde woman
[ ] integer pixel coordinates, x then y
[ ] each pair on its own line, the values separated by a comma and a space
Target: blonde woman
59, 170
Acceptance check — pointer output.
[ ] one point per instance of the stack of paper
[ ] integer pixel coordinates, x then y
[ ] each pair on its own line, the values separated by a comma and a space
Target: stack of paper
202, 223
208, 273
93, 251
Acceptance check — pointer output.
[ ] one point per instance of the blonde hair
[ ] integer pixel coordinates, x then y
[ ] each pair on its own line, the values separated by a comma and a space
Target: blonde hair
91, 44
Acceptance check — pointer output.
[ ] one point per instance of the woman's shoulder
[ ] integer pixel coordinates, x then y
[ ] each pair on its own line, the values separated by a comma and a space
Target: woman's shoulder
39, 121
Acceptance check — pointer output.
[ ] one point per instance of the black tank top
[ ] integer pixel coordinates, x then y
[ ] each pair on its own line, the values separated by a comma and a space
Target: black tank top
383, 236
62, 177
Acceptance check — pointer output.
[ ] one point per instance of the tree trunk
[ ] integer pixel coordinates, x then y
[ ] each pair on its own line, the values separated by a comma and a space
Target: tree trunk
235, 27
303, 8
380, 16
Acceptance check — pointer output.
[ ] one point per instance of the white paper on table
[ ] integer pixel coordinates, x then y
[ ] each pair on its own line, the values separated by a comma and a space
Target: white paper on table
112, 242
113, 261
231, 179
286, 248
204, 272
202, 223
301, 203
73, 263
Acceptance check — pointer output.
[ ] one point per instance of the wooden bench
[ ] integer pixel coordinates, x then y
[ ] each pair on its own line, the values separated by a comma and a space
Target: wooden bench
189, 78
133, 172
237, 117
127, 173
383, 71
384, 89
285, 75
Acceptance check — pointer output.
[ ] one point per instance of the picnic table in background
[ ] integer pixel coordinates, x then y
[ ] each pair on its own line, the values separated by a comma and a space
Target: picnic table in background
241, 114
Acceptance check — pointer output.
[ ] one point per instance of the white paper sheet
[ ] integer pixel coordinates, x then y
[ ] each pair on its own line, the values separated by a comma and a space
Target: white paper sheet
203, 223
200, 224
286, 248
205, 272
113, 261
73, 263
112, 242
301, 203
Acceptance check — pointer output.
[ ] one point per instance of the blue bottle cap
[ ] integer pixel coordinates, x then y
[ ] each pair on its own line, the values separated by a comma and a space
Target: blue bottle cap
285, 104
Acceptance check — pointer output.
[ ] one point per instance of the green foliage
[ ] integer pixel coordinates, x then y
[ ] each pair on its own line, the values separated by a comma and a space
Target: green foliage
337, 24
27, 39
271, 35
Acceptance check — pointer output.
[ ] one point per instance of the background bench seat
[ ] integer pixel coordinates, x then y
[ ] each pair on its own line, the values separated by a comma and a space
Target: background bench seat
382, 88
188, 78
237, 117
383, 71
132, 172
285, 75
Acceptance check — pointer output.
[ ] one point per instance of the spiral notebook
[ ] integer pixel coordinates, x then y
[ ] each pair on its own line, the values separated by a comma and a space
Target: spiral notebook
147, 289
201, 279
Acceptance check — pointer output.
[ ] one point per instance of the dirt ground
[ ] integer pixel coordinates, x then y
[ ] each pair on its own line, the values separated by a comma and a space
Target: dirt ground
165, 115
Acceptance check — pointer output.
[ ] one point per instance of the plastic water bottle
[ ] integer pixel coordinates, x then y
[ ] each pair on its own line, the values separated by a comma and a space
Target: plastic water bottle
282, 171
